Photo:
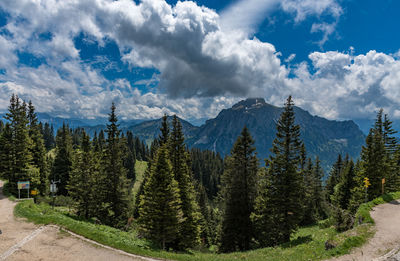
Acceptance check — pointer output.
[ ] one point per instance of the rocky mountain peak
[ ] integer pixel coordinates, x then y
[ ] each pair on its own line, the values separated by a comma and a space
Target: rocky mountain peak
250, 103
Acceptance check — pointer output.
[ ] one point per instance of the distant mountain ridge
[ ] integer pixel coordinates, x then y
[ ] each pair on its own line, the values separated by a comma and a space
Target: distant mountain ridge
322, 137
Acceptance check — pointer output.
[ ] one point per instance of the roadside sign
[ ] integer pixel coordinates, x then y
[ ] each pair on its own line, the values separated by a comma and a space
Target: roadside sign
383, 181
23, 184
366, 182
34, 192
53, 188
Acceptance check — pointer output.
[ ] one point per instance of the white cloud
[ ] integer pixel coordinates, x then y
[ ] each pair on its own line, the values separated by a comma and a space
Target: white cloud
203, 67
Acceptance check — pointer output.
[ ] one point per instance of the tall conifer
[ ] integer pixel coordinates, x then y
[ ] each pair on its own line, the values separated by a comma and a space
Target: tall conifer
160, 204
286, 189
239, 192
189, 235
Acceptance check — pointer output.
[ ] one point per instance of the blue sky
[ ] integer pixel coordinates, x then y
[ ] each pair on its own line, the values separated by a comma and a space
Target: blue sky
338, 58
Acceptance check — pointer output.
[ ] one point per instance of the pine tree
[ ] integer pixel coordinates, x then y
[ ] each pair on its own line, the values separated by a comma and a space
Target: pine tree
373, 162
286, 190
6, 157
130, 156
190, 229
160, 141
116, 197
342, 195
333, 178
239, 192
164, 129
391, 164
62, 166
48, 136
160, 204
82, 182
38, 149
310, 211
358, 192
21, 168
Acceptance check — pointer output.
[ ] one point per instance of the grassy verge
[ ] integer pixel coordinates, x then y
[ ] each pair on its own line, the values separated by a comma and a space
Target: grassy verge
363, 211
307, 244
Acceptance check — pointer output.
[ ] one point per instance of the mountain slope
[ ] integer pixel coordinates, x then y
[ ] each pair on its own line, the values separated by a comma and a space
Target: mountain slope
321, 136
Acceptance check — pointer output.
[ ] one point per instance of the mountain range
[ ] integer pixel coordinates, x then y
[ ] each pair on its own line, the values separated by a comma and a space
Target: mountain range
322, 137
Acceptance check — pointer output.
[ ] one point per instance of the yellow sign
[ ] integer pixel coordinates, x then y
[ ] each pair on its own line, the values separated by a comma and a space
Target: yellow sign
34, 192
383, 181
366, 182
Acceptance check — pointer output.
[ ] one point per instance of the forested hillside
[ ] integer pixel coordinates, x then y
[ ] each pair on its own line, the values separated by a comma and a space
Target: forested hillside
190, 198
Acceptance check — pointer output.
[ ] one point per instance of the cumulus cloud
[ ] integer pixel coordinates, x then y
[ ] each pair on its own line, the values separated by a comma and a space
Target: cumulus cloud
202, 67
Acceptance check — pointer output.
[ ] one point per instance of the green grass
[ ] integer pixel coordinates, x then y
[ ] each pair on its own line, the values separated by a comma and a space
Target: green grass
140, 168
307, 244
364, 209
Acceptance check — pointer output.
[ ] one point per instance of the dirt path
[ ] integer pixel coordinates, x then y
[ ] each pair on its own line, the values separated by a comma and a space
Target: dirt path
386, 238
24, 241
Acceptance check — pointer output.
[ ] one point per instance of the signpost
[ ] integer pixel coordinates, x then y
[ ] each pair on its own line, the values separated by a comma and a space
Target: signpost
53, 189
366, 185
383, 185
23, 185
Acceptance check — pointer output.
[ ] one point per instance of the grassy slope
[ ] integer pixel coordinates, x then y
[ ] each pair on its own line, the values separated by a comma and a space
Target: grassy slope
140, 168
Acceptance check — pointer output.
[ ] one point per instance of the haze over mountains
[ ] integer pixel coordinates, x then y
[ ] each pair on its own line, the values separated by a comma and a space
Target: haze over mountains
322, 137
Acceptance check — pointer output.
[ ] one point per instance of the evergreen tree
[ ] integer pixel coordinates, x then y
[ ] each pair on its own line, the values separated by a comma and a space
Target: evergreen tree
48, 136
310, 214
62, 166
116, 197
159, 142
333, 178
373, 162
358, 192
189, 234
160, 205
38, 149
82, 183
286, 189
6, 156
164, 129
130, 156
342, 195
239, 191
20, 144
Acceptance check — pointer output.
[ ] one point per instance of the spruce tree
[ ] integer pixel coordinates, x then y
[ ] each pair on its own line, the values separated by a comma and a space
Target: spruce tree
62, 166
21, 168
333, 178
373, 162
38, 149
160, 204
286, 190
189, 234
358, 192
342, 195
310, 211
6, 155
116, 199
130, 156
83, 179
239, 191
159, 142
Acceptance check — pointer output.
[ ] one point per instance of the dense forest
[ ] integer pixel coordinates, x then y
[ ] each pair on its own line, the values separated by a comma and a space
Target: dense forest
191, 198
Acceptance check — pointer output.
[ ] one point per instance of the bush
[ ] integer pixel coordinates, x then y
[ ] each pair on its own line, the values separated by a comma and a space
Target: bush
343, 220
